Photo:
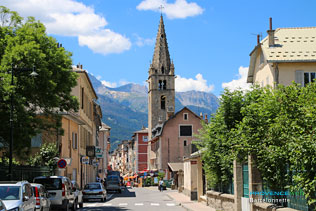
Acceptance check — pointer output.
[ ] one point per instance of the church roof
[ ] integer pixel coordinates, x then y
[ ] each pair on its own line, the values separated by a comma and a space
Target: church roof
161, 54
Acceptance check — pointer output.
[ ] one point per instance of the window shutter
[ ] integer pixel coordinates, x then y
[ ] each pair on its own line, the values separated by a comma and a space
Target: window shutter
299, 77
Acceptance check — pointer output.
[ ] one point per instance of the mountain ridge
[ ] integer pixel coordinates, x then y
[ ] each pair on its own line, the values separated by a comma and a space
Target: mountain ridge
125, 108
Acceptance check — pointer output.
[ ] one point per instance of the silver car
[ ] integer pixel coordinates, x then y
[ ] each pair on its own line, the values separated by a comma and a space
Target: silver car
2, 206
94, 190
41, 197
17, 196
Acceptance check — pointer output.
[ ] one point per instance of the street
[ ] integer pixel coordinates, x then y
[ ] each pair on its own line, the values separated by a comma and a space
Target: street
135, 199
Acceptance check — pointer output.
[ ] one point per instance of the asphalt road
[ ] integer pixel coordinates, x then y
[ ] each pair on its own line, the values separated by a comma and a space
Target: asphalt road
140, 199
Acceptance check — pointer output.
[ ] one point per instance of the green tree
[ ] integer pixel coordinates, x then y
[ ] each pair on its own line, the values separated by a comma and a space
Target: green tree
218, 138
46, 157
37, 101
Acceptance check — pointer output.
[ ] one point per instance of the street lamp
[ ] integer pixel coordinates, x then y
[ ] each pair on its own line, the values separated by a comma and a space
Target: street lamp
33, 74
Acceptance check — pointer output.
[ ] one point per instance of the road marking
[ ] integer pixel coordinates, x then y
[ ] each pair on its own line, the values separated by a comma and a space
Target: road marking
170, 204
122, 204
139, 204
107, 204
154, 204
110, 196
91, 205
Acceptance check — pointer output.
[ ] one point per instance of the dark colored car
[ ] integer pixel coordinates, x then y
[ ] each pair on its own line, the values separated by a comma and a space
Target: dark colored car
113, 183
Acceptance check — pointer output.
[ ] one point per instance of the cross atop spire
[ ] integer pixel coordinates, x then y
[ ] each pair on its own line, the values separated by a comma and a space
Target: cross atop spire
161, 7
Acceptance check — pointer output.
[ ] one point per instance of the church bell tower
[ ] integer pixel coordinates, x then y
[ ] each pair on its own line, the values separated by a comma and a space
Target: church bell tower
161, 82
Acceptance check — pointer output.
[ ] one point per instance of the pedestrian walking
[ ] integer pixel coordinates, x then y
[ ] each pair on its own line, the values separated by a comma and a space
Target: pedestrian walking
160, 185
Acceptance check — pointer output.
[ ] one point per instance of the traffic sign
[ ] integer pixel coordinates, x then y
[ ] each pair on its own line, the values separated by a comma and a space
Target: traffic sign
85, 160
62, 163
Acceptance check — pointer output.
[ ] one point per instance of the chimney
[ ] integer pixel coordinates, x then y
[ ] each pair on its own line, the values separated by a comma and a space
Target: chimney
60, 45
201, 115
206, 120
81, 66
258, 39
271, 34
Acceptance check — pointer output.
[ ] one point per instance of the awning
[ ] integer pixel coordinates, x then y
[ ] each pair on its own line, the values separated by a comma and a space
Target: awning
175, 166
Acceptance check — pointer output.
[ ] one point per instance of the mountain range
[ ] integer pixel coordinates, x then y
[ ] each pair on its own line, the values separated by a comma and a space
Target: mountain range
125, 108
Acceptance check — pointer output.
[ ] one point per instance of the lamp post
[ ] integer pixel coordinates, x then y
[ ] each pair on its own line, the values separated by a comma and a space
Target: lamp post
33, 74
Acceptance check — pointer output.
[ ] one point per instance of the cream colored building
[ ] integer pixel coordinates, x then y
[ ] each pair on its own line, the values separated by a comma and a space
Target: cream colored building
90, 114
285, 55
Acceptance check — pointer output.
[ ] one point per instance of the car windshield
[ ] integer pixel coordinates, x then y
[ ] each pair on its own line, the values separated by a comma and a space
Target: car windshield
113, 179
10, 192
49, 183
92, 186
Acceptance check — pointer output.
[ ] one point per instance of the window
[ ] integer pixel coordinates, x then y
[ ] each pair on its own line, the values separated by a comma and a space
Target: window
162, 70
160, 85
82, 98
309, 77
185, 116
268, 80
261, 58
145, 138
163, 102
185, 143
36, 141
74, 140
186, 130
164, 85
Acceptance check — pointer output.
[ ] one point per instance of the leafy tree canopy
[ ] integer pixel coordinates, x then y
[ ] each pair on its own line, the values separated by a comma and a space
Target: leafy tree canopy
275, 126
36, 100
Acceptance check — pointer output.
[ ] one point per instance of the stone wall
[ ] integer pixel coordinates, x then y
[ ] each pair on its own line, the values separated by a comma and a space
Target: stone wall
220, 201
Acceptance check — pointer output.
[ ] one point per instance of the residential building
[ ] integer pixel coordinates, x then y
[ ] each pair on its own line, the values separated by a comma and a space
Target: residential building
172, 140
90, 113
104, 147
140, 140
284, 56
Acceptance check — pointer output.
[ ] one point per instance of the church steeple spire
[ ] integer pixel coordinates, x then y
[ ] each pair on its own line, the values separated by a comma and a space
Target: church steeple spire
161, 59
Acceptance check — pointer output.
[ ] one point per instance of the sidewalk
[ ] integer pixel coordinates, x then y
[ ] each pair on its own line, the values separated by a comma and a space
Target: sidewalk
186, 203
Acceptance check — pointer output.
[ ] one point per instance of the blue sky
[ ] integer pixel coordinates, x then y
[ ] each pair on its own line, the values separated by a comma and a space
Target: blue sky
209, 40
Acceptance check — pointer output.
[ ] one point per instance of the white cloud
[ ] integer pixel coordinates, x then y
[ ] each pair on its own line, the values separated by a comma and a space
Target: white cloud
72, 18
197, 84
140, 42
98, 77
109, 84
241, 82
178, 9
105, 42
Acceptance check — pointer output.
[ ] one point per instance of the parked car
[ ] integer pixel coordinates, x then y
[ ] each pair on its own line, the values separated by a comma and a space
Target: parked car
77, 194
94, 190
2, 206
113, 183
17, 196
59, 191
41, 197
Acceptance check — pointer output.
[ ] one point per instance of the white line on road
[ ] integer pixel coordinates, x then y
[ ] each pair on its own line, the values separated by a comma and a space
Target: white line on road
122, 204
139, 204
154, 204
107, 204
171, 204
110, 196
